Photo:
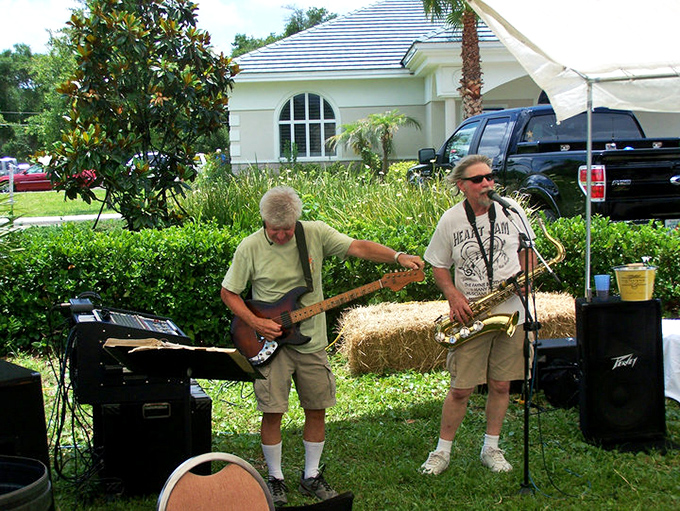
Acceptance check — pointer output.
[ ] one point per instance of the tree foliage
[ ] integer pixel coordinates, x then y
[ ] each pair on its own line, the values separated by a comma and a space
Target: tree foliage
301, 20
298, 21
20, 98
244, 44
50, 70
146, 83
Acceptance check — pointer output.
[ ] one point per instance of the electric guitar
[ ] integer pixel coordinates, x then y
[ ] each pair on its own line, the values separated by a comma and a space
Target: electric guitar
285, 312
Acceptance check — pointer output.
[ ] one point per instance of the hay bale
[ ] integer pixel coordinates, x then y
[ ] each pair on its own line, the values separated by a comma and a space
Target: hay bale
400, 336
392, 337
557, 314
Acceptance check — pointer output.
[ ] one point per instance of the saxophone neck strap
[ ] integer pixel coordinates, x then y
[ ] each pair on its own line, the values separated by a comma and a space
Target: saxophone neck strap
488, 261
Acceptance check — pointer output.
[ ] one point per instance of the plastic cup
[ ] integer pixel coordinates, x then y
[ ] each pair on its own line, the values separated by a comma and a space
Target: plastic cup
602, 286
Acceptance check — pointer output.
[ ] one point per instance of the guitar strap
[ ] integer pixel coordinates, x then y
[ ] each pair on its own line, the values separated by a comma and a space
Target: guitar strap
304, 257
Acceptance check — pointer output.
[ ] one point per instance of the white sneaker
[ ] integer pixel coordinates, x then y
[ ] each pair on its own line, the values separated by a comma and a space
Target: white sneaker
436, 463
494, 459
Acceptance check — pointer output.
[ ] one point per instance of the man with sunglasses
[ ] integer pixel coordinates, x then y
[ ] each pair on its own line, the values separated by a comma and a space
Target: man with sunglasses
477, 239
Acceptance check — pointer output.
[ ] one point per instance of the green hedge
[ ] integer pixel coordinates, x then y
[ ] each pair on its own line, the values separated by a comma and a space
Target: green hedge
615, 244
177, 272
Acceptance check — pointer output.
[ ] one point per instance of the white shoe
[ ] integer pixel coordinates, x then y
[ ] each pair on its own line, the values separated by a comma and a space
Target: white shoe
494, 459
436, 463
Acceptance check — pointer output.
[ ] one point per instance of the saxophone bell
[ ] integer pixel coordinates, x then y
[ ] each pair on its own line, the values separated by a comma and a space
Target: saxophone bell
453, 335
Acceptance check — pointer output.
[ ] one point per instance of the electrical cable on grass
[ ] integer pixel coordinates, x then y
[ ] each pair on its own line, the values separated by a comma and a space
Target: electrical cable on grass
74, 462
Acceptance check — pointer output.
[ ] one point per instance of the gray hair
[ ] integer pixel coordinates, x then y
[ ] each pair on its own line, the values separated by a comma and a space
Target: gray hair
280, 207
463, 164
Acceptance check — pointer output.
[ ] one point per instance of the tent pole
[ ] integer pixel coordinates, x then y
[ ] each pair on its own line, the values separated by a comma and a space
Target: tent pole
589, 164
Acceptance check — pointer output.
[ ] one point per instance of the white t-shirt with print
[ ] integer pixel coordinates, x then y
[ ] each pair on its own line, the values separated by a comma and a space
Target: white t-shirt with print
454, 244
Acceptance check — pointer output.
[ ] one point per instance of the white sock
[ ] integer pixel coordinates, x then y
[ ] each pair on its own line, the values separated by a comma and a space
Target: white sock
313, 452
490, 441
444, 446
272, 455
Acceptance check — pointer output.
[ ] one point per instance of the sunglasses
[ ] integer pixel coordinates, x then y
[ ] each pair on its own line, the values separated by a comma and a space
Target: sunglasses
478, 179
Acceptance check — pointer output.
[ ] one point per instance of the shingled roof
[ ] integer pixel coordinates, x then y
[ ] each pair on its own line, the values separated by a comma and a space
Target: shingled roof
374, 38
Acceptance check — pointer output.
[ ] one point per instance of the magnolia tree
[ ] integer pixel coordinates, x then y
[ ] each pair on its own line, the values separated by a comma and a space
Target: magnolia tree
147, 87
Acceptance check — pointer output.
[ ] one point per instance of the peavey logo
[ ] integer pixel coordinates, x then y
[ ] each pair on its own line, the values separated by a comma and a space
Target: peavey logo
624, 361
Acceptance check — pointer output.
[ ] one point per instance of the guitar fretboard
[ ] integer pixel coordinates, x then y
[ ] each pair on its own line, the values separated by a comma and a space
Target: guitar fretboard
307, 312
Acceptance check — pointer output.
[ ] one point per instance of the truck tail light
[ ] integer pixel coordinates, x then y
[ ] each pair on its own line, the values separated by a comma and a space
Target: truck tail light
598, 182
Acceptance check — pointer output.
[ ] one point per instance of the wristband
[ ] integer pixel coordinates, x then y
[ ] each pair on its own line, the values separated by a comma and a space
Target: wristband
396, 257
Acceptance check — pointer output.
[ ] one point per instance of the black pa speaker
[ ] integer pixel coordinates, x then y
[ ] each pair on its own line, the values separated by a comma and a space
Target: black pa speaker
620, 351
22, 428
140, 444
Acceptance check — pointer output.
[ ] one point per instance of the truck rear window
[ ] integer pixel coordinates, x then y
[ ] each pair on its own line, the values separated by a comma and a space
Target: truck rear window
606, 126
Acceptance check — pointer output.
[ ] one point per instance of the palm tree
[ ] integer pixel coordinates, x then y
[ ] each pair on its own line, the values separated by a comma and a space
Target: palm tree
376, 130
459, 14
384, 126
360, 138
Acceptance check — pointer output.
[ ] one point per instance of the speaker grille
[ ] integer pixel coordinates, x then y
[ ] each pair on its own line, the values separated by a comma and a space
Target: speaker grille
621, 365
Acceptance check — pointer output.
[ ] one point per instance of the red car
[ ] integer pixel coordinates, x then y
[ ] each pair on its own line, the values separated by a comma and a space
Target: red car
34, 179
31, 179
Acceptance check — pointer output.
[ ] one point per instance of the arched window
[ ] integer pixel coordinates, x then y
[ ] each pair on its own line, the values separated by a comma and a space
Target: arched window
306, 120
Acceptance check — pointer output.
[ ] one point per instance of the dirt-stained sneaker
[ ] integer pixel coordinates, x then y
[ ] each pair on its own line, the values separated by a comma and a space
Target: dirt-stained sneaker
278, 489
317, 486
494, 459
436, 463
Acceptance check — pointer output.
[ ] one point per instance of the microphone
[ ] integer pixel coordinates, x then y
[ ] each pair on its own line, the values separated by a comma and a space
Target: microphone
494, 196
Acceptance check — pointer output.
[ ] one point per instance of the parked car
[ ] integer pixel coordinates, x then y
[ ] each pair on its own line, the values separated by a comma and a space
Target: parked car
33, 178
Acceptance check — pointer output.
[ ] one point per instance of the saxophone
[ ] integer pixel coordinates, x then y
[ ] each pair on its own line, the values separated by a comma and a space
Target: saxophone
453, 334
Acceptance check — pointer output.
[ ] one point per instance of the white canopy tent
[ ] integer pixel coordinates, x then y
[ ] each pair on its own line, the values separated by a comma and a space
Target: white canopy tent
590, 53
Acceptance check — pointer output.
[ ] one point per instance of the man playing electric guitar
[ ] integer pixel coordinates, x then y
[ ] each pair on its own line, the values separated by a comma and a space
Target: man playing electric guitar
270, 261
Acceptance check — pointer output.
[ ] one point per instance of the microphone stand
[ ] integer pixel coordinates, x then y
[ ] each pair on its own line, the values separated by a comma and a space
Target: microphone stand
526, 488
529, 325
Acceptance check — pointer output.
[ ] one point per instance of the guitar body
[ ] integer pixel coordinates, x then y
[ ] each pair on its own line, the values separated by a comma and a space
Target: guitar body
286, 312
255, 347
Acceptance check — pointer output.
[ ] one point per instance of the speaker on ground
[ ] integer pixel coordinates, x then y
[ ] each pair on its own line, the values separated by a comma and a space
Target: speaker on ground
620, 354
140, 444
22, 426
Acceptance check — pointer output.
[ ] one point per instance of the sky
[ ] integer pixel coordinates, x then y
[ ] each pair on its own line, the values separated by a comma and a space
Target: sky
28, 21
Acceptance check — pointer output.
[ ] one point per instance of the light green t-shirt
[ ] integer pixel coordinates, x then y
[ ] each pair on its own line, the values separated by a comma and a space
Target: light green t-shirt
273, 270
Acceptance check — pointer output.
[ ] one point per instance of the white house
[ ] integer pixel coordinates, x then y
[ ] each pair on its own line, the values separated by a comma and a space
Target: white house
386, 56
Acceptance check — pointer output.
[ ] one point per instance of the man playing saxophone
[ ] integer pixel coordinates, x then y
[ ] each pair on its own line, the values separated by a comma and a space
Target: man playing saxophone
478, 241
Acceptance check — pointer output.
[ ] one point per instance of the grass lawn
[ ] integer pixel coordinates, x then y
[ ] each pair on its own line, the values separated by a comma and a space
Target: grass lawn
382, 429
53, 203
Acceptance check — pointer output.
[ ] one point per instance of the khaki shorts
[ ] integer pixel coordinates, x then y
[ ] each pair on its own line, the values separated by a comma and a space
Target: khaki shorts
314, 381
493, 355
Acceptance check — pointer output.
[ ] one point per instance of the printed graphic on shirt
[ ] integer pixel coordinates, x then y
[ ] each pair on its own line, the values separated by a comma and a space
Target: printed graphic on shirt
473, 269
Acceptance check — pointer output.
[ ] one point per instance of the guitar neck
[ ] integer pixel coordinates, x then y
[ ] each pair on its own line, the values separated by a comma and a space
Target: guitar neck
312, 310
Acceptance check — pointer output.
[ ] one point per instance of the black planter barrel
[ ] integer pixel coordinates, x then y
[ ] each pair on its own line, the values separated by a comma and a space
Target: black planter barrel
24, 485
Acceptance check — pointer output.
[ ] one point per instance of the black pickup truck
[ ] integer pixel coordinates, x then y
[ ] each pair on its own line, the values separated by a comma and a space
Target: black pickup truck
633, 177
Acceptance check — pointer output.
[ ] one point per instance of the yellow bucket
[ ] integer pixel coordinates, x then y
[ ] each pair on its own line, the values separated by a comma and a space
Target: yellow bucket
635, 281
